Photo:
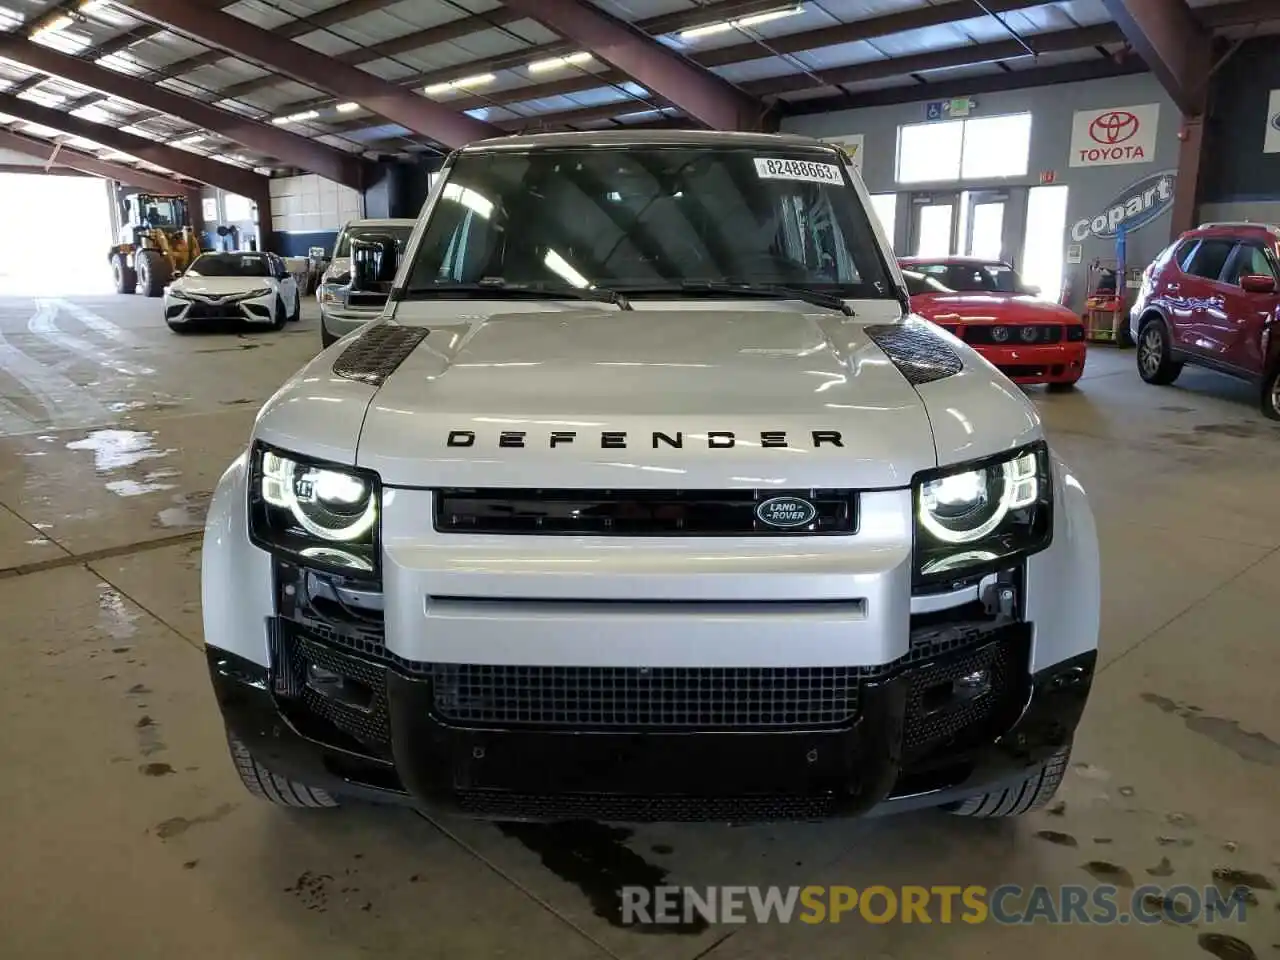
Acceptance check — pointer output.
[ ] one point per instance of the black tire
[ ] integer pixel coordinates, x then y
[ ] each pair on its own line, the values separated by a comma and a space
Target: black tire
327, 339
1066, 387
1032, 794
125, 277
153, 273
265, 785
1155, 361
1270, 399
278, 316
297, 308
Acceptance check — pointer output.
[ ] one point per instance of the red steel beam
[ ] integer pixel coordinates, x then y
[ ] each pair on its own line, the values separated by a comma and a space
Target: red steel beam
285, 146
43, 149
1167, 35
308, 66
206, 170
700, 94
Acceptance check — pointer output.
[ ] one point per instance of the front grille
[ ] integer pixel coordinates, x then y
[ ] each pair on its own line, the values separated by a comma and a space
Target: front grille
706, 698
214, 311
504, 805
1014, 335
1015, 370
623, 513
957, 724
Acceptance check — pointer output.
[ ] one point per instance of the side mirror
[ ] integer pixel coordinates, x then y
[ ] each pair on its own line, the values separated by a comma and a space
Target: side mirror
374, 260
1258, 283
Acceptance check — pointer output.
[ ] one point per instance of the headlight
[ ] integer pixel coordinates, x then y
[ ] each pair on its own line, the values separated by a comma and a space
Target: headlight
982, 514
323, 513
253, 294
331, 294
177, 294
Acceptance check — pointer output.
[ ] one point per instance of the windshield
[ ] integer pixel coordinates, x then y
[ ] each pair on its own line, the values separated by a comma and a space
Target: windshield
399, 231
156, 212
922, 283
230, 265
975, 277
651, 219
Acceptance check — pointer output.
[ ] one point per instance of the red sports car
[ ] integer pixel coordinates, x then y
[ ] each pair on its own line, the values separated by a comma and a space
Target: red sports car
985, 304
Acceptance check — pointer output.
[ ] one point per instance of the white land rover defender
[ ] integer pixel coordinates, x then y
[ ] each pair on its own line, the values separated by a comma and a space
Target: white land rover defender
648, 499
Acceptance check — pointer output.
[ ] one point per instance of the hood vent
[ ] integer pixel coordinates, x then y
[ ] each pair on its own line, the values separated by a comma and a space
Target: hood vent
917, 351
375, 354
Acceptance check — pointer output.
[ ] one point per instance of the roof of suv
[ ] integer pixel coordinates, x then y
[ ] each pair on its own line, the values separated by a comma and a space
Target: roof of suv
645, 138
1235, 228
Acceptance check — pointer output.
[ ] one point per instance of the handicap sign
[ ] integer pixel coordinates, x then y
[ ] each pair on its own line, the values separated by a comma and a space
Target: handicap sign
935, 109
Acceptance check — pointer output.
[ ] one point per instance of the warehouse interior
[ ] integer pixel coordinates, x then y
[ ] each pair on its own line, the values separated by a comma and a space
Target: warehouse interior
1067, 138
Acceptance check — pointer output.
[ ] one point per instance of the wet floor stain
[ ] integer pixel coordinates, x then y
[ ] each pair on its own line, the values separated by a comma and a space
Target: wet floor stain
115, 619
1058, 809
1226, 947
190, 864
1103, 840
237, 401
312, 890
1243, 430
239, 346
1090, 772
136, 488
1170, 907
595, 858
1162, 869
156, 769
662, 849
1175, 841
115, 449
1176, 409
1242, 878
1251, 745
1057, 837
190, 510
176, 826
1126, 791
1108, 872
1179, 819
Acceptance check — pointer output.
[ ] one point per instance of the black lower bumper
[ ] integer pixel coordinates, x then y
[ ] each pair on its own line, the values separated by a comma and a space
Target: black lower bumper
899, 751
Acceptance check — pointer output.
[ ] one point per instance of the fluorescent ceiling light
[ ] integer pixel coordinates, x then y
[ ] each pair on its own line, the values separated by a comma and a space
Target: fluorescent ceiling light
555, 63
88, 6
296, 117
57, 23
194, 138
465, 83
348, 107
695, 32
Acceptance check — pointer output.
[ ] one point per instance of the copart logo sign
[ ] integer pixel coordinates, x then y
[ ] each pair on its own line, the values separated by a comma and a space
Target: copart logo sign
1114, 135
1137, 205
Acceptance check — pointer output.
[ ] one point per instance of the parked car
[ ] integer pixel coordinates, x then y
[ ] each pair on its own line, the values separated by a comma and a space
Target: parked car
341, 309
1212, 299
648, 498
239, 287
986, 304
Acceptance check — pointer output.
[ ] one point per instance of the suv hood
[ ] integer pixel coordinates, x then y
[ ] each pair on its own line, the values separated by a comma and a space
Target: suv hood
773, 398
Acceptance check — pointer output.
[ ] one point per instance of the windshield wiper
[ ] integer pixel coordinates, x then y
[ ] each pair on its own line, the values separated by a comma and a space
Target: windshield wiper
774, 291
490, 285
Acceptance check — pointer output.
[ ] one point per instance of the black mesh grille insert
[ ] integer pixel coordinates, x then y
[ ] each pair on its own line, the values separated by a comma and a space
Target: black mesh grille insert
374, 355
637, 512
916, 350
369, 722
971, 720
503, 805
214, 311
707, 698
1013, 335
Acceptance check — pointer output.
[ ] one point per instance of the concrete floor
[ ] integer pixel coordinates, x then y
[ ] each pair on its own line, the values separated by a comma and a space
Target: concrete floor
126, 833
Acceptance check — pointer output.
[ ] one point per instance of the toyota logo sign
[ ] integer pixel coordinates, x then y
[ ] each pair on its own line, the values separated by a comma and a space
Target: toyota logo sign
1114, 126
1114, 135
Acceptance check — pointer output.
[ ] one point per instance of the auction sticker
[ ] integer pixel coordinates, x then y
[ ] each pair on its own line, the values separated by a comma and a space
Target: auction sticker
768, 168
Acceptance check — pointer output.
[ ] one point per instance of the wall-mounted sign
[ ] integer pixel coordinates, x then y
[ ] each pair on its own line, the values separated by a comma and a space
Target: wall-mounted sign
1075, 253
851, 145
1114, 135
1136, 206
948, 109
1271, 144
209, 208
1048, 176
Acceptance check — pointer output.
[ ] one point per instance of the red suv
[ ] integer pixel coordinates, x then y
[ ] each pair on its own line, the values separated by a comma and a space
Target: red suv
1212, 299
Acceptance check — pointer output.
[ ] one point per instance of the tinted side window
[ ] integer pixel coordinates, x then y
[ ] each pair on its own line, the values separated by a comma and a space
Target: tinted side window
1250, 259
1182, 251
1209, 259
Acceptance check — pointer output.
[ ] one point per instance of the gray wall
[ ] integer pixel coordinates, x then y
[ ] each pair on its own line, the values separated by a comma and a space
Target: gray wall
1092, 189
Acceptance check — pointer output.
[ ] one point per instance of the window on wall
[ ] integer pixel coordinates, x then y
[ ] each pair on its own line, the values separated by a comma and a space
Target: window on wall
239, 209
976, 148
885, 206
1042, 245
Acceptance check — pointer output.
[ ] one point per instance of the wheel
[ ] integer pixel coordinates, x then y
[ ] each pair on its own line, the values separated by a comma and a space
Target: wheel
1062, 387
153, 273
278, 316
126, 279
1271, 394
265, 785
297, 308
1032, 794
327, 339
1155, 363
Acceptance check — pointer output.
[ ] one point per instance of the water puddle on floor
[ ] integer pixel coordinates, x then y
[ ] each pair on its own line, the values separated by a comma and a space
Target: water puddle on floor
190, 511
114, 618
117, 449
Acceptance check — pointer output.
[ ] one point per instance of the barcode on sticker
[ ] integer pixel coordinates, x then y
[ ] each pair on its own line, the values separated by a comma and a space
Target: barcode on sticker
770, 168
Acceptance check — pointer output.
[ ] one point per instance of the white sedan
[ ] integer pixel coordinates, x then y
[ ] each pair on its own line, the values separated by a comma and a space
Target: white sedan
236, 287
